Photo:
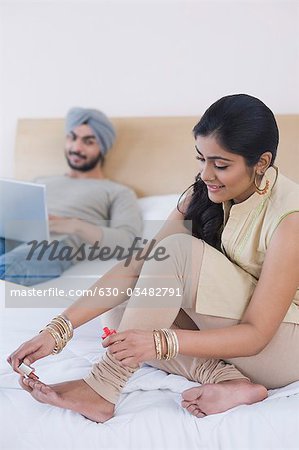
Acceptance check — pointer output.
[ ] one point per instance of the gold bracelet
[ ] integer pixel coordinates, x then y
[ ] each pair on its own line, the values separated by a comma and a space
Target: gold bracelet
61, 330
175, 343
58, 327
58, 347
68, 323
166, 355
65, 332
158, 344
68, 329
172, 349
172, 344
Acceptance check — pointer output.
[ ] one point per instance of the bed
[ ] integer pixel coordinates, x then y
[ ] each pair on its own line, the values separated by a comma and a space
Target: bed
148, 156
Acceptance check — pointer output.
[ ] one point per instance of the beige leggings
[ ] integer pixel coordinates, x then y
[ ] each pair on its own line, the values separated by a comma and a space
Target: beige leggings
276, 366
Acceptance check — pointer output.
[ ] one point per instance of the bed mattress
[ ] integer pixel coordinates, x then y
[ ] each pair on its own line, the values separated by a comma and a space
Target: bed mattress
148, 414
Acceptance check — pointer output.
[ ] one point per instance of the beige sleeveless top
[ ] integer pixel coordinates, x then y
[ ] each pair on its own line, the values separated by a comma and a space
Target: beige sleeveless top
226, 283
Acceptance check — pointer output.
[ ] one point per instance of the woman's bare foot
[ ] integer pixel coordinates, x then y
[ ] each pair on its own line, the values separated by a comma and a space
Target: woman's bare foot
216, 398
75, 395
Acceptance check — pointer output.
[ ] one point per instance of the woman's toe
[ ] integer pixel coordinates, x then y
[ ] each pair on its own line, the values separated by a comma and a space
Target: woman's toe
185, 404
192, 408
192, 394
24, 384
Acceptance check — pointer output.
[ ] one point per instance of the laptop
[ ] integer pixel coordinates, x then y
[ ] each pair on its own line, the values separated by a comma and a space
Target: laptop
23, 211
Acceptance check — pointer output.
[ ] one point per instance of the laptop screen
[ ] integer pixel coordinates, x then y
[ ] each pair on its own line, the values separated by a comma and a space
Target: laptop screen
23, 211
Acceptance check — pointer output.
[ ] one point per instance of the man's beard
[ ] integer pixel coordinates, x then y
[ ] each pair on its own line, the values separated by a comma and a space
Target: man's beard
85, 167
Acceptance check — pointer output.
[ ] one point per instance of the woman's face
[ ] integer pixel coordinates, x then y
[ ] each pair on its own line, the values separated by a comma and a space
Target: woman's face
226, 174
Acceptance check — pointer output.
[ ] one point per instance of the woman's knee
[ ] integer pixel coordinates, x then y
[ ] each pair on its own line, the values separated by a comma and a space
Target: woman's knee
181, 243
181, 260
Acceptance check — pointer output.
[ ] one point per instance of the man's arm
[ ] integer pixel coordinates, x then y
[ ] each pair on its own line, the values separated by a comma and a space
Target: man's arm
87, 232
125, 223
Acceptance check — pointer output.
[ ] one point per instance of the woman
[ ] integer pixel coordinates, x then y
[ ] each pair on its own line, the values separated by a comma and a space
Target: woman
222, 307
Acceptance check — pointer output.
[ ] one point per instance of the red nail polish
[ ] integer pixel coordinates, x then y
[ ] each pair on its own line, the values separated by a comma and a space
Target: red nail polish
34, 376
108, 332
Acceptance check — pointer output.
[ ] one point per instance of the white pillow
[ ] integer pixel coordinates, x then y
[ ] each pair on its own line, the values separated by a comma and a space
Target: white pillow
155, 210
157, 207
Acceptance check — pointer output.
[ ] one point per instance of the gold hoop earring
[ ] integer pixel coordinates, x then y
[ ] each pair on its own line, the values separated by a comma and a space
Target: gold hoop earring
265, 188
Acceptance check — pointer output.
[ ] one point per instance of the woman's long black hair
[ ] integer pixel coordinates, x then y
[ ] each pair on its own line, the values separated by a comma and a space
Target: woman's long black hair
243, 125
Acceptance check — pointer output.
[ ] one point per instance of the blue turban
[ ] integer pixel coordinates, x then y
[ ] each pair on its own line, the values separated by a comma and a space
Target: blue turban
99, 123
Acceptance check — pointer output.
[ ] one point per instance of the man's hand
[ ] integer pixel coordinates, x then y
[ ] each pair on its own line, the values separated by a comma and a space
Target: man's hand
132, 347
72, 225
63, 225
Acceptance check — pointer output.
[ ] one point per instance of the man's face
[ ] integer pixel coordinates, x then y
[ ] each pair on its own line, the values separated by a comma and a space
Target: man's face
82, 150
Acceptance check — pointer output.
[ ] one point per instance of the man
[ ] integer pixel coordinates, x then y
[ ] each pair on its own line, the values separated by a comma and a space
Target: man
86, 210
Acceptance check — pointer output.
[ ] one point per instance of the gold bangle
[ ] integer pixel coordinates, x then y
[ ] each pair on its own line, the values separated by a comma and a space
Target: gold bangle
58, 327
61, 325
172, 344
58, 347
166, 355
158, 344
66, 329
61, 330
175, 343
68, 323
60, 341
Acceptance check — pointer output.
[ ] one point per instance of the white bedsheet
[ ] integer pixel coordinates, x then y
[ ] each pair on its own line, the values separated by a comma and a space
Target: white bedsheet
148, 415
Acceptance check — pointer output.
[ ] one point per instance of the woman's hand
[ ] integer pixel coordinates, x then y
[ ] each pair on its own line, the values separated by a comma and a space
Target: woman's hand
38, 347
132, 347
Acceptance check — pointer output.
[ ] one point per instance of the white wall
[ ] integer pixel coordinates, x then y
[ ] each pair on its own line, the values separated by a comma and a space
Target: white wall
143, 57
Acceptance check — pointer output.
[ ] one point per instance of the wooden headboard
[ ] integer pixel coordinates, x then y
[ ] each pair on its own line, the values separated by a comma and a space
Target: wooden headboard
153, 155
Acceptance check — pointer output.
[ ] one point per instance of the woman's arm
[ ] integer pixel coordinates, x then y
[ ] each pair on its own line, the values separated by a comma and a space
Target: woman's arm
268, 306
86, 308
121, 277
